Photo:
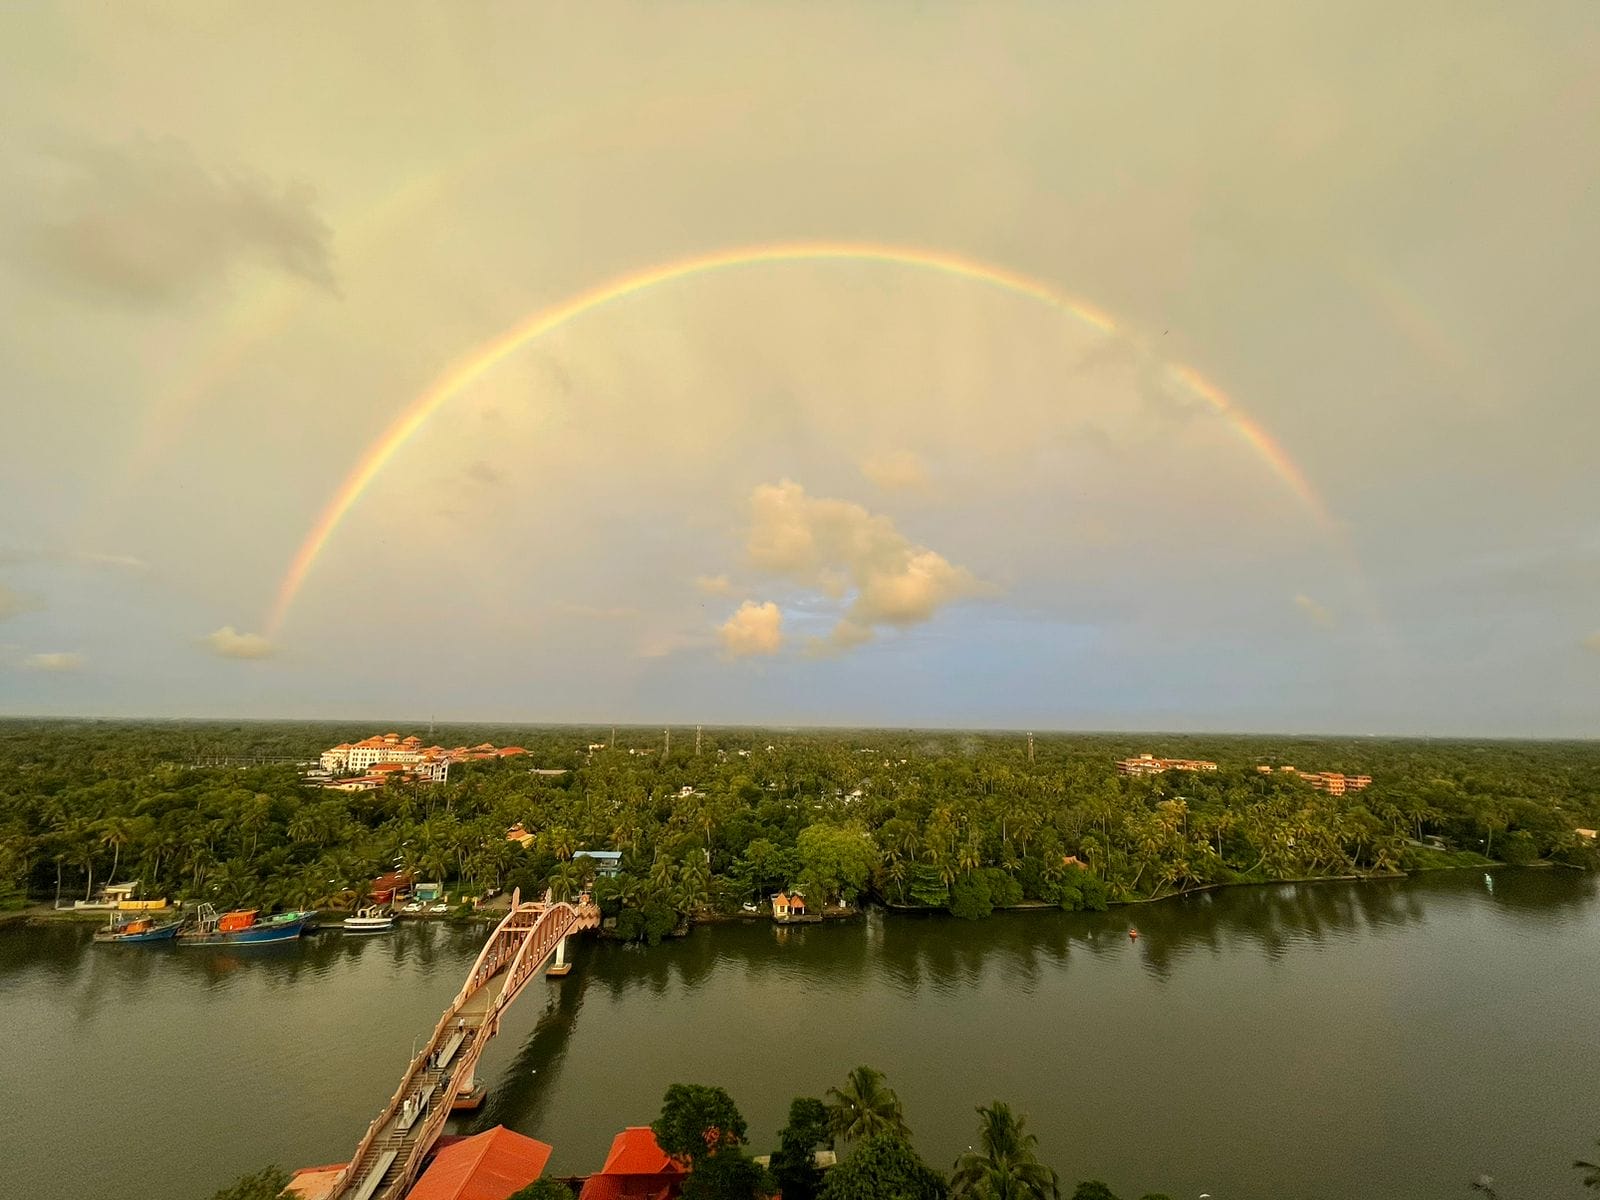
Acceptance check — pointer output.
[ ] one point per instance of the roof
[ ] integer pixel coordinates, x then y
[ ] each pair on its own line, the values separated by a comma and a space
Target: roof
487, 1166
615, 855
314, 1183
634, 1152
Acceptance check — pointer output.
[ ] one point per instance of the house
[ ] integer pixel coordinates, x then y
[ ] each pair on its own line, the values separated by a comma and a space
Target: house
491, 1165
361, 783
1587, 835
519, 835
787, 907
386, 889
428, 893
607, 863
636, 1169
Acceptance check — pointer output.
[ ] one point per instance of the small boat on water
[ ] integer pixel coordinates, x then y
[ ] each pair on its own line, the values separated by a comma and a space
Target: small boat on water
242, 927
139, 929
374, 918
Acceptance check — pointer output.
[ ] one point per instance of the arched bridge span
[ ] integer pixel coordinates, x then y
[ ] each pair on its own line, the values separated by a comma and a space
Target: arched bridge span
386, 1162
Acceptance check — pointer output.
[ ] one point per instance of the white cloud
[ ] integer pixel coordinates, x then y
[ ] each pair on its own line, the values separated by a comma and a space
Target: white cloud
228, 642
84, 557
1592, 642
753, 629
839, 548
60, 660
714, 585
897, 471
13, 603
1316, 613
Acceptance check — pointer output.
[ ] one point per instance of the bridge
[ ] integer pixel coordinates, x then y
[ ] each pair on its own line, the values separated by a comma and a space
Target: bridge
387, 1161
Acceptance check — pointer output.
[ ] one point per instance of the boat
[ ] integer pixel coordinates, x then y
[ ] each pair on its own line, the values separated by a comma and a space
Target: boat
242, 927
138, 929
374, 918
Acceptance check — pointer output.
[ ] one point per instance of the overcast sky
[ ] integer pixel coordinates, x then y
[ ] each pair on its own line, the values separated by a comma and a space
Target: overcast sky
238, 240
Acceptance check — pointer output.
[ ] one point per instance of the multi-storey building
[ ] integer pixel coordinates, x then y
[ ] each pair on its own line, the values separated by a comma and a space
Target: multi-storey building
1332, 782
1147, 764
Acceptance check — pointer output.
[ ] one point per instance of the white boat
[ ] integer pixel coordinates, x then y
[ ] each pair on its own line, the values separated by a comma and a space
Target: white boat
372, 919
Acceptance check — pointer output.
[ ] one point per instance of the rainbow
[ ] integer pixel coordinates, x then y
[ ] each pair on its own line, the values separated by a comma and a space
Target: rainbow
484, 358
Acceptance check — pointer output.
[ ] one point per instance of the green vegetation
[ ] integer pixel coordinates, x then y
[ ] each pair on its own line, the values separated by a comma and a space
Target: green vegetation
964, 822
266, 1184
543, 1189
1004, 1167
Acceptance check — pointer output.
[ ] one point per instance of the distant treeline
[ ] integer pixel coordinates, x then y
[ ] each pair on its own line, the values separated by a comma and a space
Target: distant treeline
959, 821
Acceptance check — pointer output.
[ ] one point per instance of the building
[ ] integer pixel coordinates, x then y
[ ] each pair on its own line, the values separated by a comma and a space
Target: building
1147, 764
491, 1165
787, 907
390, 888
1331, 782
607, 863
427, 764
357, 783
636, 1169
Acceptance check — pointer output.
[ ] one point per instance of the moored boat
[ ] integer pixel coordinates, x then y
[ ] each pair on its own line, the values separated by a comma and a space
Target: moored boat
242, 928
373, 918
139, 929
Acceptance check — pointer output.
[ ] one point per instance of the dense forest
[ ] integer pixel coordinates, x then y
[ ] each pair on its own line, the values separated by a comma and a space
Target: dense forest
962, 821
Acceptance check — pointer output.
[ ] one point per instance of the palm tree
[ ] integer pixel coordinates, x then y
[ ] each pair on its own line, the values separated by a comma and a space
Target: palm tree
865, 1106
1005, 1167
1591, 1171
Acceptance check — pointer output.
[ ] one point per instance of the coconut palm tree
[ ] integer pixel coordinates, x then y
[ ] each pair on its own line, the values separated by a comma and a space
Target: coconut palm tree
864, 1106
1004, 1167
1591, 1171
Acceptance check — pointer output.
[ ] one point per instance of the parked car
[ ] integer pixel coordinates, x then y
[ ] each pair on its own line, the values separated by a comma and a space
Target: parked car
440, 908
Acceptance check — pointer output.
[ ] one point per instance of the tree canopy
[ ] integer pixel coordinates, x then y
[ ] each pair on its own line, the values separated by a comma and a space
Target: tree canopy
884, 1167
697, 1122
864, 1107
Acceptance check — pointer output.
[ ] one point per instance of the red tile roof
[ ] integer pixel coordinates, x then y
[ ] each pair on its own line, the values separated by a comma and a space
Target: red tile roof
634, 1152
488, 1166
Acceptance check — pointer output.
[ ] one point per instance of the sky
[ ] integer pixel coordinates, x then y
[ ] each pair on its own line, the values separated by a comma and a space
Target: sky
1058, 366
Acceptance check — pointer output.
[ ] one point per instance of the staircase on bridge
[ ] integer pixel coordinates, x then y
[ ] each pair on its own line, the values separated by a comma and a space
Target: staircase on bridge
389, 1157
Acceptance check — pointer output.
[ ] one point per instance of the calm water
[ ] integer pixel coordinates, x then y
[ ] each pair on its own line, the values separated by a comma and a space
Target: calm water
1373, 1040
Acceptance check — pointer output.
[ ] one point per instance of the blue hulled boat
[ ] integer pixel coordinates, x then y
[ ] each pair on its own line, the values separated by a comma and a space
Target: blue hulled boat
244, 927
138, 929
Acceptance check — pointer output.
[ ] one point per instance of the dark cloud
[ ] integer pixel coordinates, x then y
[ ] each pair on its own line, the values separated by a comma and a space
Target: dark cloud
149, 223
485, 473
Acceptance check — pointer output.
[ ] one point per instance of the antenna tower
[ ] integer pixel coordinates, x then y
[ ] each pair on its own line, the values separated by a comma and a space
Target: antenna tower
666, 749
1030, 745
697, 739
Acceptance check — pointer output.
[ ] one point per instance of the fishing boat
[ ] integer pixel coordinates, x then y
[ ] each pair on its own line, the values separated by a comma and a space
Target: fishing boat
374, 918
138, 929
242, 927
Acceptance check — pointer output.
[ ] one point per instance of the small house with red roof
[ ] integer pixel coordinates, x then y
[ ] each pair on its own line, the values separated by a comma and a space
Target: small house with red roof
786, 907
636, 1169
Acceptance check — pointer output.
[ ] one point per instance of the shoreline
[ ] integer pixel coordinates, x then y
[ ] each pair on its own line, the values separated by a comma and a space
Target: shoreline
45, 915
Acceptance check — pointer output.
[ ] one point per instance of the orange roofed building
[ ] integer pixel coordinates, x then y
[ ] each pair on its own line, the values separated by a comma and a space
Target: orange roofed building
487, 1166
636, 1169
1148, 764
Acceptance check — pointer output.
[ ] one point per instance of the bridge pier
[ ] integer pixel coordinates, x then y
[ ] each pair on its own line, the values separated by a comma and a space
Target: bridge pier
470, 1097
561, 966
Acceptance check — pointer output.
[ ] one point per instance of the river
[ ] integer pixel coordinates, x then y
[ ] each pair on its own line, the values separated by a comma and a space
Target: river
1388, 1039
